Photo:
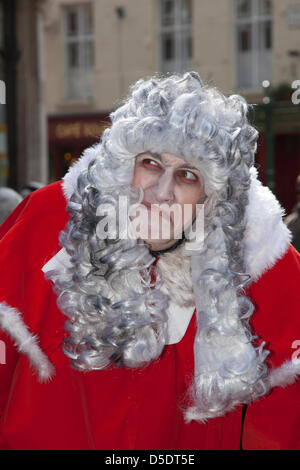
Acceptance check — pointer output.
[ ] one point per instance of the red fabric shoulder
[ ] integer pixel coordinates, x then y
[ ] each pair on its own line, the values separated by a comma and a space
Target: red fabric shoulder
44, 200
30, 237
276, 297
272, 422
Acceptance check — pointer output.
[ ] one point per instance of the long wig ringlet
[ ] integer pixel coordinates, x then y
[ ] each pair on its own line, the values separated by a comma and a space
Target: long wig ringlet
116, 314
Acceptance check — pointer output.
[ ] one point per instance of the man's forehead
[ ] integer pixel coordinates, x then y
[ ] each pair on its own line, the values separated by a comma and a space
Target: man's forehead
167, 158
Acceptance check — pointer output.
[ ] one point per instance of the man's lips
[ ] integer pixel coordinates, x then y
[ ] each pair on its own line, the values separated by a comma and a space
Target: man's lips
147, 204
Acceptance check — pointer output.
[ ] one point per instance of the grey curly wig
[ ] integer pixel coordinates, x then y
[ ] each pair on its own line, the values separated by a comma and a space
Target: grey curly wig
117, 317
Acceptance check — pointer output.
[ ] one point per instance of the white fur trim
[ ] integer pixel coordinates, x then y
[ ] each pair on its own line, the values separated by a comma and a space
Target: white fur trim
71, 177
12, 323
284, 375
266, 237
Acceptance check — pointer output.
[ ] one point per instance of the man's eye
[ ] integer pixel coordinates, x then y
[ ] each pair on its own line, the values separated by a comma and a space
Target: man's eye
188, 176
148, 163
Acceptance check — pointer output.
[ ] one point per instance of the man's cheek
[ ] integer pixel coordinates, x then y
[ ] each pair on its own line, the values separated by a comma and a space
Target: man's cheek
140, 179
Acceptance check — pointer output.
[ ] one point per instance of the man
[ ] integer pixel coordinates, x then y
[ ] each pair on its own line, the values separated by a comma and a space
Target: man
153, 342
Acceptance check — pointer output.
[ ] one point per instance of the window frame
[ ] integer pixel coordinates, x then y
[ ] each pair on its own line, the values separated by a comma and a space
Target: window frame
179, 30
254, 20
79, 38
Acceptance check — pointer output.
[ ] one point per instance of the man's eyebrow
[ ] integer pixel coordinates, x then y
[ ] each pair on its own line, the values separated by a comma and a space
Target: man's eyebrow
159, 157
189, 167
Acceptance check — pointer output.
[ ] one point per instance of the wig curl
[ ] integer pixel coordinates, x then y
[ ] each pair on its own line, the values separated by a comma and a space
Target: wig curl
117, 316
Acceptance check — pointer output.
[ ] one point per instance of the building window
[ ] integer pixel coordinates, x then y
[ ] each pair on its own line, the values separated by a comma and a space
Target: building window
79, 51
254, 42
176, 45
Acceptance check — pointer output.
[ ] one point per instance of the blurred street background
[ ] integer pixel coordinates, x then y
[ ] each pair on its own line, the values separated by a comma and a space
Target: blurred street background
66, 64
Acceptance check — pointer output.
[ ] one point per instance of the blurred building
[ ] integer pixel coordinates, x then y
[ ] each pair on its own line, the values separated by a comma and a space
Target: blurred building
23, 145
94, 49
23, 133
3, 126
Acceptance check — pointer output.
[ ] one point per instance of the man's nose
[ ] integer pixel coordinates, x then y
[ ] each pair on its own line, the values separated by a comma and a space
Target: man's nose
164, 190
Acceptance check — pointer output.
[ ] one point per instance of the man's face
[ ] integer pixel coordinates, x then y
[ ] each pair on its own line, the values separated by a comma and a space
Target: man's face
168, 183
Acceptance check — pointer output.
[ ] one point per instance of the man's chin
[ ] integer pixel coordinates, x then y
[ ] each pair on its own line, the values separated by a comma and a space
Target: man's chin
159, 245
